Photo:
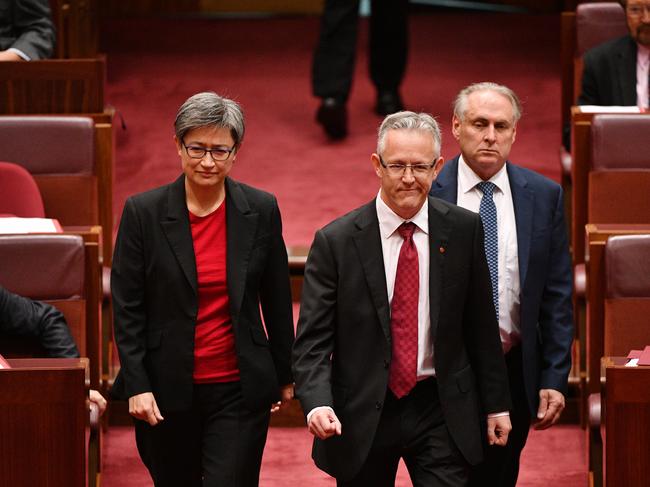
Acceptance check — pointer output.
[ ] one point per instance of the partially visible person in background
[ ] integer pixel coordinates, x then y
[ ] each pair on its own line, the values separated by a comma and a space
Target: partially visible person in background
335, 56
27, 318
616, 72
26, 30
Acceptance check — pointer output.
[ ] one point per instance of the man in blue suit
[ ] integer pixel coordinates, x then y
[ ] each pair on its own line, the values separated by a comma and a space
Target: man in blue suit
527, 252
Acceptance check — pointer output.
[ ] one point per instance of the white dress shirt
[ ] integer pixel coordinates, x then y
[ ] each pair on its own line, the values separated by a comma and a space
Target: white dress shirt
391, 244
469, 197
642, 70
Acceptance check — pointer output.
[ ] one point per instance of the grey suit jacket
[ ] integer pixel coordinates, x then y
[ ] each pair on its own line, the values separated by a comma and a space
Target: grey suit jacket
27, 25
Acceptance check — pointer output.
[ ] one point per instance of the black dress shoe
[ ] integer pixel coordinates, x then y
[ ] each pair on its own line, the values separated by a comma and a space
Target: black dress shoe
388, 102
332, 115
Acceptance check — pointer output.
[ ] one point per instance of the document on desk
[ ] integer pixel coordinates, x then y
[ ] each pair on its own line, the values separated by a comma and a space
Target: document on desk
3, 363
15, 225
638, 357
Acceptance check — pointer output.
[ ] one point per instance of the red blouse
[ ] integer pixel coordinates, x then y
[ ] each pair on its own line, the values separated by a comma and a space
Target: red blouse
215, 358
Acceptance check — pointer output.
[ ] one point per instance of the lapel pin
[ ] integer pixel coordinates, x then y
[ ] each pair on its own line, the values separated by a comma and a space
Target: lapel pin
442, 250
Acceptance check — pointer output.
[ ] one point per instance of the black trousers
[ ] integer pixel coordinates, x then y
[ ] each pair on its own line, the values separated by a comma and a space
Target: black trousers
218, 443
413, 428
501, 464
335, 54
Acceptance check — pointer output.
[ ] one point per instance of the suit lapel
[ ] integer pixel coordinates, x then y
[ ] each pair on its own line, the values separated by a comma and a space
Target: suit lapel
367, 240
176, 228
445, 186
439, 229
241, 224
627, 72
523, 200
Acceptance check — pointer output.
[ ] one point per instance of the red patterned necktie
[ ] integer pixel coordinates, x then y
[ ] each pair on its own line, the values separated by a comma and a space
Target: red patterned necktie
404, 316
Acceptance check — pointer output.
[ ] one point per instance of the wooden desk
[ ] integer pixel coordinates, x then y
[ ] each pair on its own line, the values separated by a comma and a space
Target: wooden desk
627, 423
43, 416
596, 236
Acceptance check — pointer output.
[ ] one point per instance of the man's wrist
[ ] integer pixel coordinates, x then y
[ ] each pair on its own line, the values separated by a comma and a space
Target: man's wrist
317, 408
498, 415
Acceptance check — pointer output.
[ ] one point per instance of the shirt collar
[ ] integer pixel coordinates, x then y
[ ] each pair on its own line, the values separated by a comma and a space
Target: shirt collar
468, 179
389, 221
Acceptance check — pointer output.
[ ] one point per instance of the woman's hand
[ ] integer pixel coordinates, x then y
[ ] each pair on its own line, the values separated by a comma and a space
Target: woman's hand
143, 406
286, 395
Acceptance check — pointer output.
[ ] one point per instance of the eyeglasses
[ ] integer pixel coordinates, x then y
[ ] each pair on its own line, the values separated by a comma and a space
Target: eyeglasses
217, 154
638, 10
398, 169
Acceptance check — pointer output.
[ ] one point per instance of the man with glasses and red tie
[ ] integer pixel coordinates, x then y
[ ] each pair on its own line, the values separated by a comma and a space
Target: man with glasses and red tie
397, 352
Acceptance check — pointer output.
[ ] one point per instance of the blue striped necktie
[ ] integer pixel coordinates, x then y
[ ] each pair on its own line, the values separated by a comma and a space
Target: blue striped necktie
488, 212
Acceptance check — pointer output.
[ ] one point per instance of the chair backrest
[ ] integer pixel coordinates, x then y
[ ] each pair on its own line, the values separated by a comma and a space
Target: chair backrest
627, 294
619, 179
59, 152
19, 193
48, 268
597, 23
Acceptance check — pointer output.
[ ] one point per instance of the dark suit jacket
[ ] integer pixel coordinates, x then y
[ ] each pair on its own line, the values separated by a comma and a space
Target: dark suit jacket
23, 317
342, 352
155, 301
544, 273
27, 26
609, 74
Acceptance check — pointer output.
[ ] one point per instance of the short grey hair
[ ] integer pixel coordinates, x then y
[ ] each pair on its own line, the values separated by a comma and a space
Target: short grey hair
409, 121
207, 109
460, 104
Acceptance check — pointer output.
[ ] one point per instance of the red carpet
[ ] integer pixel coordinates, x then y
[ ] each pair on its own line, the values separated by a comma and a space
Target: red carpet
154, 65
553, 457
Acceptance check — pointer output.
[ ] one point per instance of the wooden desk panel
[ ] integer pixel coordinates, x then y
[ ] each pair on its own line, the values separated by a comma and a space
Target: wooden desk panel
43, 416
627, 424
52, 86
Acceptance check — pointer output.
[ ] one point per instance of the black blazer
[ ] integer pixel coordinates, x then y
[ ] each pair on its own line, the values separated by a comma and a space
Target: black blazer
23, 317
342, 351
154, 286
546, 316
609, 74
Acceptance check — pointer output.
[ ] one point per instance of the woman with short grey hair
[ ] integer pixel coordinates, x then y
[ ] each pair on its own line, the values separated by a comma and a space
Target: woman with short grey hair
195, 262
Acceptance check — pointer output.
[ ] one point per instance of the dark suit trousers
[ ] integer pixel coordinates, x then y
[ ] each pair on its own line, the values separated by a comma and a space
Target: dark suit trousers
413, 428
218, 443
335, 54
501, 465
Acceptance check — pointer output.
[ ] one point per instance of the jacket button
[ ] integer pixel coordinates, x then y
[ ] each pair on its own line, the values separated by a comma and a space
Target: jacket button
386, 364
378, 405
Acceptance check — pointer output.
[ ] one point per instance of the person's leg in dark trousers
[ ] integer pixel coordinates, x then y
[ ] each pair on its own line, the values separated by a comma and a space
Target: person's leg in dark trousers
413, 428
233, 436
171, 450
334, 64
334, 57
388, 51
501, 464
